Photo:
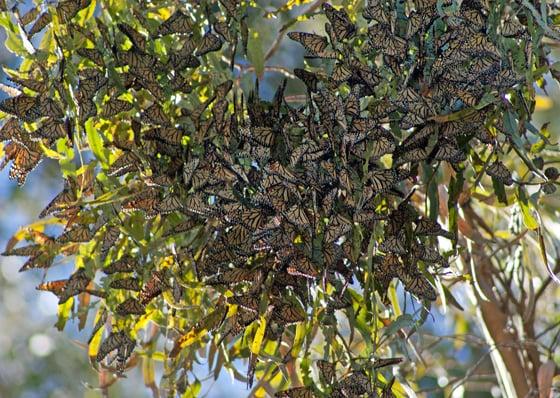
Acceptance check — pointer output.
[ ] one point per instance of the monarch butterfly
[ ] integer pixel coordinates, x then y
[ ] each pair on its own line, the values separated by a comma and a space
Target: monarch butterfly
338, 226
428, 254
383, 362
210, 323
297, 392
130, 306
76, 284
55, 287
512, 28
222, 28
52, 129
68, 9
313, 43
375, 11
197, 204
64, 198
29, 16
263, 135
115, 106
23, 106
169, 204
89, 86
232, 276
24, 159
428, 227
230, 6
343, 28
181, 61
302, 266
119, 341
341, 73
250, 303
112, 233
137, 39
42, 260
394, 244
447, 150
168, 135
139, 62
41, 22
506, 79
287, 314
125, 264
381, 180
308, 78
80, 233
30, 250
381, 143
147, 201
154, 287
92, 54
327, 371
297, 216
354, 385
125, 163
130, 283
176, 23
210, 42
382, 39
500, 172
417, 284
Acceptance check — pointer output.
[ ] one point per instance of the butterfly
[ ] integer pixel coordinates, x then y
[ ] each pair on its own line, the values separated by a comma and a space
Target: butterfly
67, 9
354, 385
327, 371
115, 106
417, 284
179, 22
23, 106
131, 306
499, 171
231, 6
119, 341
210, 42
154, 287
79, 233
297, 216
55, 287
41, 22
297, 392
339, 225
313, 43
343, 28
24, 157
287, 314
125, 264
302, 266
381, 180
137, 39
130, 283
76, 284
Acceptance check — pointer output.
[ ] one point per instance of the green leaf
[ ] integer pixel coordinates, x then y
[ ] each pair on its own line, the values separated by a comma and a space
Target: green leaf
95, 142
500, 190
64, 313
255, 52
526, 209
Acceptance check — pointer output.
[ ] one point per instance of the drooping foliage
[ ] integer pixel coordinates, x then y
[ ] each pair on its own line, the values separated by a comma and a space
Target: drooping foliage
251, 228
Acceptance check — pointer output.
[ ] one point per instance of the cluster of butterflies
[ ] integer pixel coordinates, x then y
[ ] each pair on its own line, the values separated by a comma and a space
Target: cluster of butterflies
287, 198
